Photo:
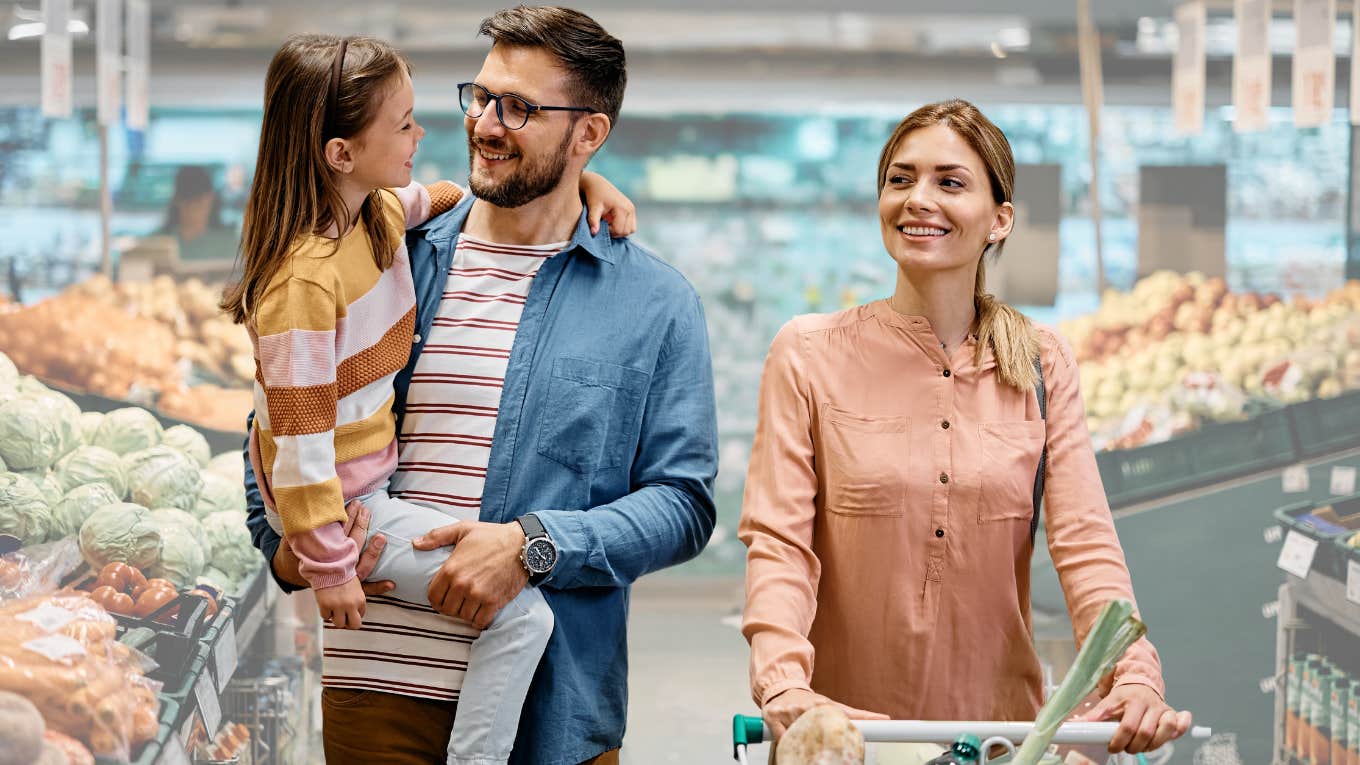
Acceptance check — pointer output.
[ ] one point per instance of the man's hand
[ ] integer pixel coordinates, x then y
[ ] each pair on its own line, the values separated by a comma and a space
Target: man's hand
482, 574
286, 563
781, 711
1145, 720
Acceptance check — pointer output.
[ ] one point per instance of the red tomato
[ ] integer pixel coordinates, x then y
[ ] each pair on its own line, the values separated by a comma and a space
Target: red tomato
114, 575
101, 595
152, 599
120, 602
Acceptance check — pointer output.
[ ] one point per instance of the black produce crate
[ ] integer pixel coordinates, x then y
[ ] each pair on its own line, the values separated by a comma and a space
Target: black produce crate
1215, 452
1332, 552
1326, 425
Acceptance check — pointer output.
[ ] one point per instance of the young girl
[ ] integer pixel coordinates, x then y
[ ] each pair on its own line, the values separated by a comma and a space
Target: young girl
328, 300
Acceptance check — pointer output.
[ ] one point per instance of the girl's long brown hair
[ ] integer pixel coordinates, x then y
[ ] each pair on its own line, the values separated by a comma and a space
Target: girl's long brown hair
295, 191
1009, 332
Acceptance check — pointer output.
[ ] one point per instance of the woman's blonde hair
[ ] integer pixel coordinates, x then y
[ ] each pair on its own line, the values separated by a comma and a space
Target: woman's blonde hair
295, 191
1009, 333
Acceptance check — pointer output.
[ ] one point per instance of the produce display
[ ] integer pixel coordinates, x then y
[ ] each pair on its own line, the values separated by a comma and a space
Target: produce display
154, 342
218, 350
60, 653
127, 490
1179, 351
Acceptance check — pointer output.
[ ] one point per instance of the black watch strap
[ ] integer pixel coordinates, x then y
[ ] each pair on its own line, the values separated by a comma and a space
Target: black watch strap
533, 527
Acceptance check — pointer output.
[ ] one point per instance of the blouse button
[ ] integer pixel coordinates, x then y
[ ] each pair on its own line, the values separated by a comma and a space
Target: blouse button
939, 533
944, 478
947, 373
945, 424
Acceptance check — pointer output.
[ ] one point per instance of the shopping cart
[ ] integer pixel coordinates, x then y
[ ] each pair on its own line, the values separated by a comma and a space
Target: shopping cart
748, 730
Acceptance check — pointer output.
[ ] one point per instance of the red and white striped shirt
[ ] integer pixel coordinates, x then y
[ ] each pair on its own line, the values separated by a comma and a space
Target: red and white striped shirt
444, 449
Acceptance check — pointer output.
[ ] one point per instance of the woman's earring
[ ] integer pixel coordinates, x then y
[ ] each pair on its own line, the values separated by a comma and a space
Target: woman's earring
991, 237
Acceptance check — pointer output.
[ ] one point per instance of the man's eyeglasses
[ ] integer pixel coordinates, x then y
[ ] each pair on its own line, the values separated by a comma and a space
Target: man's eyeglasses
512, 110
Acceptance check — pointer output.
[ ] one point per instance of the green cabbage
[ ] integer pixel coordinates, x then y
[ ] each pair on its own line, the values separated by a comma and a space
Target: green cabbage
219, 494
162, 477
168, 516
92, 464
9, 374
32, 385
121, 532
51, 491
24, 511
229, 465
70, 513
128, 430
233, 552
89, 423
36, 430
182, 557
218, 580
189, 441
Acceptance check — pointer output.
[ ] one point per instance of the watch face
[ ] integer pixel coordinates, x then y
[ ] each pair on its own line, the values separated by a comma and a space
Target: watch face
540, 556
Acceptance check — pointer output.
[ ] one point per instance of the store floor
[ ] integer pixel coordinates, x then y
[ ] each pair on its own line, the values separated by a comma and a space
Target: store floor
687, 671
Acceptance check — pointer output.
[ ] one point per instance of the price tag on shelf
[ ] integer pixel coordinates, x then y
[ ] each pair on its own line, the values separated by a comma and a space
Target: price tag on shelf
1295, 479
173, 753
208, 704
1343, 480
224, 655
1353, 581
1296, 557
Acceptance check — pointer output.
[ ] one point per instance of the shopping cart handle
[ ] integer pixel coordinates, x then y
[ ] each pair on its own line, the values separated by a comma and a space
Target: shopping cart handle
748, 729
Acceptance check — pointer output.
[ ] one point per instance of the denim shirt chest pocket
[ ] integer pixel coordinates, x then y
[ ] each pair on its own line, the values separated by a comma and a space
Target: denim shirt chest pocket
591, 414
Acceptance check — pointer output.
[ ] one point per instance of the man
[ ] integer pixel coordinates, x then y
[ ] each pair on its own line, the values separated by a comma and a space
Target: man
561, 391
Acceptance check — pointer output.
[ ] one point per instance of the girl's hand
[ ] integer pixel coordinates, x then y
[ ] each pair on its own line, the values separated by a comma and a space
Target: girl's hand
604, 202
343, 604
781, 711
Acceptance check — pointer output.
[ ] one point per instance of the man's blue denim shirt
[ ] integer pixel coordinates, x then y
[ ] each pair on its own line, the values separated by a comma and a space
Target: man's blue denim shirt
607, 432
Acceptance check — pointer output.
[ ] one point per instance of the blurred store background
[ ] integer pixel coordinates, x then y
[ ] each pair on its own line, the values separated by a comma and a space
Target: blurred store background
1205, 292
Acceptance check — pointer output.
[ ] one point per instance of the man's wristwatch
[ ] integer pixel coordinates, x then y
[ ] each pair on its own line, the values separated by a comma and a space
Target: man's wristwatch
539, 553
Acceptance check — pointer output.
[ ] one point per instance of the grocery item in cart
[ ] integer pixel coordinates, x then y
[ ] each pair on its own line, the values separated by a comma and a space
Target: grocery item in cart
822, 735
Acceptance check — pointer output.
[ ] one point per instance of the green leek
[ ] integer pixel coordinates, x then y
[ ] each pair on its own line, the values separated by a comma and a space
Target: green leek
1114, 631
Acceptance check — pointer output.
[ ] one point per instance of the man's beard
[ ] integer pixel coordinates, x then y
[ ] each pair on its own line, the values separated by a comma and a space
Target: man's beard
531, 181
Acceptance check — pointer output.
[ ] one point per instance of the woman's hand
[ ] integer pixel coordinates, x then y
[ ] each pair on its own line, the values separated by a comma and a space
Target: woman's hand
603, 201
1145, 720
781, 711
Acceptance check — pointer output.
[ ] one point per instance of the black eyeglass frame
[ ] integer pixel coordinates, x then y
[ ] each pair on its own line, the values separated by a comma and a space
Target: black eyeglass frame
529, 106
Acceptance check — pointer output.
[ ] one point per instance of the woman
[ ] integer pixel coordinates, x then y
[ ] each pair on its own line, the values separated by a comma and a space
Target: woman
194, 217
889, 498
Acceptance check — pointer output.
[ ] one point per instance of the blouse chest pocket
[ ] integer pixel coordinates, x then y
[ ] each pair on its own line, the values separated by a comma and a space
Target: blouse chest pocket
1011, 451
866, 458
591, 414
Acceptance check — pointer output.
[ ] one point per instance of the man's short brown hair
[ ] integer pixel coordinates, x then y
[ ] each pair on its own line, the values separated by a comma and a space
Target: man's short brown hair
594, 59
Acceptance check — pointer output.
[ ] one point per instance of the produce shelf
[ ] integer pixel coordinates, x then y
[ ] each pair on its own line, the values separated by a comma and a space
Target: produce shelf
1332, 553
218, 440
1322, 426
231, 631
1214, 453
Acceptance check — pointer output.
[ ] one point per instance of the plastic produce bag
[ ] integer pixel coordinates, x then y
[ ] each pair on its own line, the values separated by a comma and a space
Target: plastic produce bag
60, 652
38, 570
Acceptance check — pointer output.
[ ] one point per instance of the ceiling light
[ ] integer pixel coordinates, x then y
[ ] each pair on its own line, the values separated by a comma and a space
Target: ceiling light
31, 29
1013, 38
